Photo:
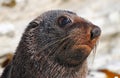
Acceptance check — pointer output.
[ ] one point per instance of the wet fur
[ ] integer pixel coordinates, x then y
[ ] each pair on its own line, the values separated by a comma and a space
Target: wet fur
37, 50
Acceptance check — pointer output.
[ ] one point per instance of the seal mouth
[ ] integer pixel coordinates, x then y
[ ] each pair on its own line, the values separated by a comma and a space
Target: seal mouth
80, 53
73, 55
83, 48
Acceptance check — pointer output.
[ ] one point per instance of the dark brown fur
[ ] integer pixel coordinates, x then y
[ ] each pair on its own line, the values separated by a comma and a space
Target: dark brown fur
47, 50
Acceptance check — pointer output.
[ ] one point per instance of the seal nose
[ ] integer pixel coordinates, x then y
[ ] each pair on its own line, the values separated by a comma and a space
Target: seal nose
95, 32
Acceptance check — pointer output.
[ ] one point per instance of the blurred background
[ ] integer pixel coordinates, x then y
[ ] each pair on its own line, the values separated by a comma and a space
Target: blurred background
16, 14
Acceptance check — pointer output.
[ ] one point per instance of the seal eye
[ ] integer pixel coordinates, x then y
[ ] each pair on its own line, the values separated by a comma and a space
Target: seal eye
63, 21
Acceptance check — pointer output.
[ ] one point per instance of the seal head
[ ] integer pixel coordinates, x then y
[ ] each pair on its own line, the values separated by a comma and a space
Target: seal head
70, 37
54, 45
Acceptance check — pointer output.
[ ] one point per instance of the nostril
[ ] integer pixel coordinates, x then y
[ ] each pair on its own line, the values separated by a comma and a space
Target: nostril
95, 32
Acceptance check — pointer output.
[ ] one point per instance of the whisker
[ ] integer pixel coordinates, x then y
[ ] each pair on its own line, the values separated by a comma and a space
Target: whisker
63, 44
51, 51
49, 44
52, 43
94, 51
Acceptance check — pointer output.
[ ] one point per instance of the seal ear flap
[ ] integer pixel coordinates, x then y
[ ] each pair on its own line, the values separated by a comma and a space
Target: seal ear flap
32, 25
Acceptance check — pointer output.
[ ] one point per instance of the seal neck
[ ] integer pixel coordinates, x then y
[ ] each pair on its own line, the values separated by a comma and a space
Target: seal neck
54, 70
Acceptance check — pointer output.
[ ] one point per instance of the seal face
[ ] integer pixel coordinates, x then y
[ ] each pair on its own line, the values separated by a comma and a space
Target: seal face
54, 45
77, 37
81, 39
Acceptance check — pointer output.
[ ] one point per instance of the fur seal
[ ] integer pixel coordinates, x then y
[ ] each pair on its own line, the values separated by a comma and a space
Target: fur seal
54, 45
